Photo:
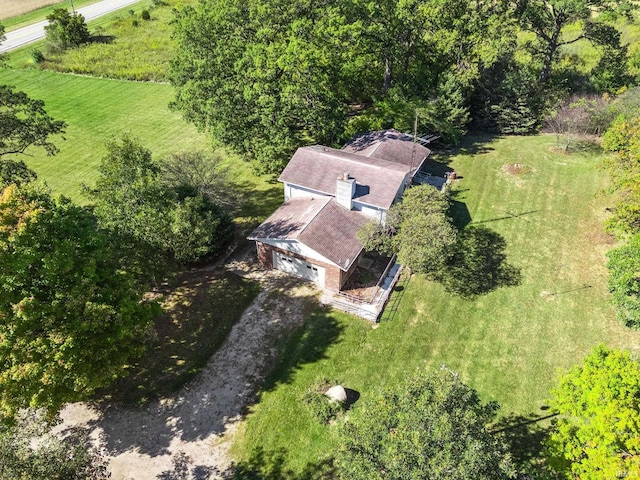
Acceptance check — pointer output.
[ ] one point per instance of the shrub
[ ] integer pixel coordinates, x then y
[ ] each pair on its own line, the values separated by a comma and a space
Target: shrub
37, 56
145, 15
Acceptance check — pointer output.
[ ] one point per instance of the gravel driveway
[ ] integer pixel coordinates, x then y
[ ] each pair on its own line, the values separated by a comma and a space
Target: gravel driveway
188, 436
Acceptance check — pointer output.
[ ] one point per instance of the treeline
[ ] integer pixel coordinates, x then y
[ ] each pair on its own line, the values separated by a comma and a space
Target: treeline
267, 77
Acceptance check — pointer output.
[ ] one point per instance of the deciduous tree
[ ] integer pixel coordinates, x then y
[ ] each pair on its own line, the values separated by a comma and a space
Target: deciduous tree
549, 19
71, 316
24, 123
66, 30
432, 426
623, 140
598, 432
29, 451
15, 172
624, 281
132, 200
418, 230
266, 77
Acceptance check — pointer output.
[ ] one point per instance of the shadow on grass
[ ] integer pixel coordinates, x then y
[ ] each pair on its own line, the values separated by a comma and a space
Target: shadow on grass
106, 39
307, 344
478, 264
198, 315
258, 203
263, 465
399, 290
472, 144
227, 388
508, 216
459, 212
525, 436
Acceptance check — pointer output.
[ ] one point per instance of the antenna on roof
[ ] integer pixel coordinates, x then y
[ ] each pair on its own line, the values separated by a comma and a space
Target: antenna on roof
415, 141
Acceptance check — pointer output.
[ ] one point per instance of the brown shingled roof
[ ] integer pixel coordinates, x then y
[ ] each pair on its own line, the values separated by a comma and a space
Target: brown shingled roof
318, 167
320, 224
333, 234
290, 218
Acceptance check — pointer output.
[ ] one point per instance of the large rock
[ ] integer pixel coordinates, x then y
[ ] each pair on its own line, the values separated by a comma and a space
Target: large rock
337, 394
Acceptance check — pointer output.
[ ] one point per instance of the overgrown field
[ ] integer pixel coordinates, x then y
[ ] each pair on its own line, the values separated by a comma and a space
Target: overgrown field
124, 45
508, 344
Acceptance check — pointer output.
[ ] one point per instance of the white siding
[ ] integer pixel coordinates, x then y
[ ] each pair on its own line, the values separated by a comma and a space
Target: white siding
373, 212
297, 247
294, 191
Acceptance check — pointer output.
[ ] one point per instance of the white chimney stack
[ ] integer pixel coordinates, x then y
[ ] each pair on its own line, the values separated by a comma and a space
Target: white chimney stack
345, 190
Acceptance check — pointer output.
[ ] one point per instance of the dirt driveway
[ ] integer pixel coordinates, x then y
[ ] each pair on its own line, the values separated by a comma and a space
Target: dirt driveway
188, 436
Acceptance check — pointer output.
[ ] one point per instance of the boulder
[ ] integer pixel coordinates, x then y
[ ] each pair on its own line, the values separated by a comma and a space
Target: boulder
337, 394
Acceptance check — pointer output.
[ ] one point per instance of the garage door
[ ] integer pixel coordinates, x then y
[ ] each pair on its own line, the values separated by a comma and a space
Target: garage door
299, 268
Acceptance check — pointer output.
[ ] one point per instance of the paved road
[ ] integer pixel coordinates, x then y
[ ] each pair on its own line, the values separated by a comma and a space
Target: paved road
23, 36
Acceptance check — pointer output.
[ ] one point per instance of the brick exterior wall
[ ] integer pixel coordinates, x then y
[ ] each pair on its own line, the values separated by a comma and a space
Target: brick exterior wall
334, 278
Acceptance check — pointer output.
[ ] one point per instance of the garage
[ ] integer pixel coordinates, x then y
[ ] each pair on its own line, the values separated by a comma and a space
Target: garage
299, 268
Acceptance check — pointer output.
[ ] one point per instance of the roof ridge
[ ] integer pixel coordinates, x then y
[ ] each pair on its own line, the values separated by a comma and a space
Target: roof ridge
349, 157
301, 231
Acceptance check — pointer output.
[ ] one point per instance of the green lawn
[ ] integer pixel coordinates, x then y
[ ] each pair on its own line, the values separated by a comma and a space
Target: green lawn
96, 110
508, 344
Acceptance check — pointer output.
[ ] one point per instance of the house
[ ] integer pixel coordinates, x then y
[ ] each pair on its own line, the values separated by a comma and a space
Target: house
329, 194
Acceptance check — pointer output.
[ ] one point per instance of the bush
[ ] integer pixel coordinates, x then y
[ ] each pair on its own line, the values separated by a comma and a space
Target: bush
145, 15
624, 284
37, 56
322, 407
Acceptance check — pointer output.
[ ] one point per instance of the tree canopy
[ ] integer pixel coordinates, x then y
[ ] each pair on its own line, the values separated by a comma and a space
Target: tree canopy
66, 30
624, 284
266, 77
133, 200
29, 451
70, 315
418, 229
24, 123
623, 140
432, 426
598, 432
549, 21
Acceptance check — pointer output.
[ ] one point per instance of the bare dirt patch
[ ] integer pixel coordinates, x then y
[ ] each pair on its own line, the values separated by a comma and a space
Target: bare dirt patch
13, 8
516, 169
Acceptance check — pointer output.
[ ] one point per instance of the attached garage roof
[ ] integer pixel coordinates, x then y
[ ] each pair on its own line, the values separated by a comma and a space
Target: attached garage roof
320, 224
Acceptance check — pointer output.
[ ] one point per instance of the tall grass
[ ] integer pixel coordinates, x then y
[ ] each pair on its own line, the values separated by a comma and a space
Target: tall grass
126, 47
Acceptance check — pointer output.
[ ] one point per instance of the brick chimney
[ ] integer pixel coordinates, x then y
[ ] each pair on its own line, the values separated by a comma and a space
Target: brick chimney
345, 190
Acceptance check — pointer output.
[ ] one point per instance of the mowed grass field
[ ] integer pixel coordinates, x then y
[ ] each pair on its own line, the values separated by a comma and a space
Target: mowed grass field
509, 344
97, 110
